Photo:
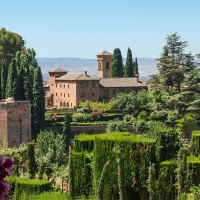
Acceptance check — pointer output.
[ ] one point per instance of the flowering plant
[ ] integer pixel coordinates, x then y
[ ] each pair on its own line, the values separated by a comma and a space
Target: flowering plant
6, 164
97, 114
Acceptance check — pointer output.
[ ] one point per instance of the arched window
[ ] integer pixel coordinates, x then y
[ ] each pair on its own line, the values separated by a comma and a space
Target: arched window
107, 65
68, 104
64, 104
99, 65
60, 104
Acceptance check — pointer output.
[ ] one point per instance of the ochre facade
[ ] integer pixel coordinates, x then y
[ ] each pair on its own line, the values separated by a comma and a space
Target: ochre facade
15, 122
66, 89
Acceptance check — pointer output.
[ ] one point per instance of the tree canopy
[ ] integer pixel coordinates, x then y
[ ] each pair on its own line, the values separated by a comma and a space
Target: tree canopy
128, 68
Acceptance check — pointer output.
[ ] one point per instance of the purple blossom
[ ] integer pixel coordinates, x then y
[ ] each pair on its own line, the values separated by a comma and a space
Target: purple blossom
6, 164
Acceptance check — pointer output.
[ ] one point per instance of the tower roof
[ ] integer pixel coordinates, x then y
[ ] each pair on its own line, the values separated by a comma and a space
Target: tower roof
104, 53
57, 70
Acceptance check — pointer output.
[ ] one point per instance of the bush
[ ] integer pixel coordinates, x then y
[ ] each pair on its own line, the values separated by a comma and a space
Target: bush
140, 125
78, 117
83, 110
117, 126
111, 116
127, 118
159, 115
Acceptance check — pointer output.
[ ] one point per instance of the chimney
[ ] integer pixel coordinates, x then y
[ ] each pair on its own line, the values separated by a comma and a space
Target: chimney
137, 77
86, 73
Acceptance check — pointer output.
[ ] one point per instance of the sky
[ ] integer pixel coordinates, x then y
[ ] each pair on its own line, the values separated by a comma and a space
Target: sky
84, 28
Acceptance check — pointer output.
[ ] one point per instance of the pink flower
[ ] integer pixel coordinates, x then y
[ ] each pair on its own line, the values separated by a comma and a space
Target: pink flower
6, 164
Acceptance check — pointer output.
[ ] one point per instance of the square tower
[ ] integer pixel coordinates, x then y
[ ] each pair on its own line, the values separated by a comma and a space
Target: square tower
104, 60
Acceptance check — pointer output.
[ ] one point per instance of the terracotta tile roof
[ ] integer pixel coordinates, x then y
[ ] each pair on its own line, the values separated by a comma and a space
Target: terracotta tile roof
78, 76
104, 53
121, 82
58, 70
84, 76
68, 77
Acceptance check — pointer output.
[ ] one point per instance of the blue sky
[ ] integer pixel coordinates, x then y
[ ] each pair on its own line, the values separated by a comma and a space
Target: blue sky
83, 28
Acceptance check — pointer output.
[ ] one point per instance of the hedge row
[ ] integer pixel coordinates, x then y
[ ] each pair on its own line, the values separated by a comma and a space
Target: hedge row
22, 188
136, 154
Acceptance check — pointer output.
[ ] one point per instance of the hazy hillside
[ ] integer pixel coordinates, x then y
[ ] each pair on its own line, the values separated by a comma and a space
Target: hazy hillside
147, 66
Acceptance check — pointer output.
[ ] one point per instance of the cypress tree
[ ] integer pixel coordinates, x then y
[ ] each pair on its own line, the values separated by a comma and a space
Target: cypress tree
27, 84
4, 76
13, 82
67, 129
31, 164
116, 65
128, 69
38, 103
136, 67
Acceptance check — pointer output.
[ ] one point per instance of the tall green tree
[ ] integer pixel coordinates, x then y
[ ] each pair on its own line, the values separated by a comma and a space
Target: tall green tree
128, 68
174, 64
0, 84
116, 65
67, 129
13, 82
10, 43
136, 67
4, 76
38, 103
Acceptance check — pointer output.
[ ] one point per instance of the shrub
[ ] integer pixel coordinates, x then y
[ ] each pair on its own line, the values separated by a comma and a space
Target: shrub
111, 116
158, 115
140, 125
142, 115
78, 117
127, 118
83, 110
118, 126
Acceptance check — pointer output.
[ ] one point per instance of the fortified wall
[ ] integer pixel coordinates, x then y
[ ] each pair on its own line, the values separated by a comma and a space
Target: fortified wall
15, 122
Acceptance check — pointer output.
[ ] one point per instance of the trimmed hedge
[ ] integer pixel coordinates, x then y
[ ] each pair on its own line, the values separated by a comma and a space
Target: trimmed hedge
111, 116
48, 196
195, 143
136, 154
25, 187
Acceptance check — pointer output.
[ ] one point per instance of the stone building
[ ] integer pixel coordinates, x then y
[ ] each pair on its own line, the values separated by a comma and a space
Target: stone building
67, 89
15, 122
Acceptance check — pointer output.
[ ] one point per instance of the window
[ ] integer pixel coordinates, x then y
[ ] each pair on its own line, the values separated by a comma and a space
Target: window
93, 85
82, 85
114, 92
64, 104
60, 94
82, 95
93, 94
68, 104
60, 104
60, 85
64, 94
68, 86
71, 104
51, 84
107, 65
56, 94
68, 95
56, 84
64, 85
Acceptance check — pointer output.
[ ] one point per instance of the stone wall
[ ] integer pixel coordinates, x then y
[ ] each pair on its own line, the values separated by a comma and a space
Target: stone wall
15, 122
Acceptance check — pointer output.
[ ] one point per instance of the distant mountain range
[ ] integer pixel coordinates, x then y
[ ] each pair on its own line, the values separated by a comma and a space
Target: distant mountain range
147, 66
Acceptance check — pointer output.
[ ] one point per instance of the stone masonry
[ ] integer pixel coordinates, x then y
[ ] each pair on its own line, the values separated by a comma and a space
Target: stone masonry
15, 122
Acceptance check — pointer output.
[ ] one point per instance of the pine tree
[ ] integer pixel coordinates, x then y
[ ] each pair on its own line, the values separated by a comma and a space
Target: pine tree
13, 82
128, 69
4, 76
116, 65
38, 103
136, 67
67, 129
